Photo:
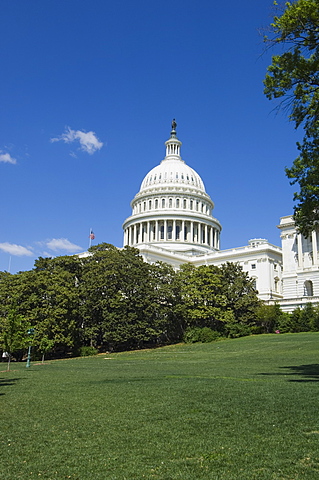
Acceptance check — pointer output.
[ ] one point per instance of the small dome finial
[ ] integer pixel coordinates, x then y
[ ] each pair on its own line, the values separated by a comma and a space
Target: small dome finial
174, 125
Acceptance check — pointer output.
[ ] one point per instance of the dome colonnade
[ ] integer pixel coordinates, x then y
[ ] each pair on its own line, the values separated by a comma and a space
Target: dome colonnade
172, 209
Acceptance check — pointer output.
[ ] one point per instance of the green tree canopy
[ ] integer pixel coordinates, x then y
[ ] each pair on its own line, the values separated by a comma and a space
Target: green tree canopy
221, 298
13, 333
293, 77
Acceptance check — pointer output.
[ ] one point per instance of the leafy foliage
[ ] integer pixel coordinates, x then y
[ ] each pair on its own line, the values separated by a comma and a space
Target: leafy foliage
113, 300
13, 333
203, 335
221, 298
294, 77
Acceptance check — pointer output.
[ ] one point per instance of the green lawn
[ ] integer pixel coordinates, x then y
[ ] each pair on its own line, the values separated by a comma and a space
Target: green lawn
237, 409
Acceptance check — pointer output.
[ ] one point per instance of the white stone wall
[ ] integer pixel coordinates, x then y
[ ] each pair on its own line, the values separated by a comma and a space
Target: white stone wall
300, 266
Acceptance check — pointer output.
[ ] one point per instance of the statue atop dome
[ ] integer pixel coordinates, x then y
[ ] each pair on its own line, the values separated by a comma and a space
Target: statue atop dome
174, 125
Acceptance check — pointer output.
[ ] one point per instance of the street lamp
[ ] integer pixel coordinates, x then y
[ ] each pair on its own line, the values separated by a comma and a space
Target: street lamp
30, 333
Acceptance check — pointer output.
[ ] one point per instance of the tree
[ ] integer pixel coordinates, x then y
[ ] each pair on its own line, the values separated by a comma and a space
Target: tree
125, 301
203, 303
49, 297
269, 318
13, 333
240, 293
293, 77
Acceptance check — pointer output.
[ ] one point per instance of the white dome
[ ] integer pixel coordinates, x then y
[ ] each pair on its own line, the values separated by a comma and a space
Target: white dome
172, 209
174, 172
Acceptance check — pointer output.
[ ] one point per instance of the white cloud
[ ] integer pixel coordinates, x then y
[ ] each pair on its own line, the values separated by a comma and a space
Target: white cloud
13, 249
57, 244
89, 142
6, 158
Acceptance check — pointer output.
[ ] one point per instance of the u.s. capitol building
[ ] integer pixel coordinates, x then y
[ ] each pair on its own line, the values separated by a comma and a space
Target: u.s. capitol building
172, 221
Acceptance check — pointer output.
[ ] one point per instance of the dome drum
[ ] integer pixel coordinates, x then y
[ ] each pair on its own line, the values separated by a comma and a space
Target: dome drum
173, 232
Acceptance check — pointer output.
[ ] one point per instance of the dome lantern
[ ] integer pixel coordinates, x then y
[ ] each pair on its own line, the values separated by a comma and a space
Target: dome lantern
173, 145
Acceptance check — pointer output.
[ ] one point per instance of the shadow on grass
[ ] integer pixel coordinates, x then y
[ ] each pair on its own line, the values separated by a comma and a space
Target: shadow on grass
310, 373
4, 382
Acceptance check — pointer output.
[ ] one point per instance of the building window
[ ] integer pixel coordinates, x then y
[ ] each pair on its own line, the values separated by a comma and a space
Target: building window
170, 203
177, 232
184, 203
163, 202
150, 204
177, 203
162, 232
144, 206
308, 288
191, 204
169, 232
156, 203
253, 266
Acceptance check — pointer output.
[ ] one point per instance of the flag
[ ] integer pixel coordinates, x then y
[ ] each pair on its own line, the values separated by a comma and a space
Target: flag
91, 236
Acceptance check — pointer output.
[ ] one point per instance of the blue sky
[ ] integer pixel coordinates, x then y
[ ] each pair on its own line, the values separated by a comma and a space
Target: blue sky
88, 92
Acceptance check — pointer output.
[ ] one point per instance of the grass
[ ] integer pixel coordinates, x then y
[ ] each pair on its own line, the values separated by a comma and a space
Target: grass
239, 409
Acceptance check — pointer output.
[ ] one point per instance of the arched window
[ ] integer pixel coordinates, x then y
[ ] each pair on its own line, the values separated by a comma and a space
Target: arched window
156, 203
191, 204
163, 202
308, 288
184, 203
150, 204
170, 203
177, 202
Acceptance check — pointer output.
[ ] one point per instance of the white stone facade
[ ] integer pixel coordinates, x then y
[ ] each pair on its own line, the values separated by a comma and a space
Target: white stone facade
300, 279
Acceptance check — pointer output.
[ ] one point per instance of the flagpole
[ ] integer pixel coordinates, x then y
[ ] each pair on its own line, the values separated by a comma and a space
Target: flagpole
90, 238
